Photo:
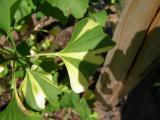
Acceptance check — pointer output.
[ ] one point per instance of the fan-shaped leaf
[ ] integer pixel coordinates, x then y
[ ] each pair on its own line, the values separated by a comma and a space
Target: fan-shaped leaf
7, 10
16, 111
37, 87
23, 10
80, 56
99, 17
75, 7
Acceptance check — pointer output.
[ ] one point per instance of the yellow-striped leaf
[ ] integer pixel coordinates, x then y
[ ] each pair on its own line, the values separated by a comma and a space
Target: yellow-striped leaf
81, 56
38, 87
16, 111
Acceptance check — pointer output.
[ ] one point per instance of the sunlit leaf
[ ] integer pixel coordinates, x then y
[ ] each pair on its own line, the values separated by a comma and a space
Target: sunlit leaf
80, 56
7, 11
23, 10
75, 7
38, 87
99, 17
113, 1
31, 4
3, 69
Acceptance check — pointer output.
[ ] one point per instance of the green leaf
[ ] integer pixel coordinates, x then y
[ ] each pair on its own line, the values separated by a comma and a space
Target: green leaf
113, 1
80, 56
23, 10
94, 116
16, 111
19, 73
48, 10
48, 65
83, 109
72, 100
37, 87
69, 100
3, 69
75, 7
31, 4
99, 17
7, 10
52, 107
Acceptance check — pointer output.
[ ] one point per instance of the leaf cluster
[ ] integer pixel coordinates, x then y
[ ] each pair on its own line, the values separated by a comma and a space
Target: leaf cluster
37, 68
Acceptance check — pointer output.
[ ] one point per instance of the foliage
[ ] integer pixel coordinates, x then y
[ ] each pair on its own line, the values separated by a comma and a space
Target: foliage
16, 110
34, 88
82, 62
38, 71
72, 100
76, 7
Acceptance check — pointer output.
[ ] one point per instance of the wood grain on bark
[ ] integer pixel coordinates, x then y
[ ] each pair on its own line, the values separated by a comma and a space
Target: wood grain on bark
137, 38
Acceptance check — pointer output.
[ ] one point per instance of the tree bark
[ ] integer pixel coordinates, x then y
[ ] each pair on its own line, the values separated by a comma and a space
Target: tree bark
137, 38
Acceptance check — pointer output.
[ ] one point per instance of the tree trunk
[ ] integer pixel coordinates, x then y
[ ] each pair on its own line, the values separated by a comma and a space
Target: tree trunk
137, 38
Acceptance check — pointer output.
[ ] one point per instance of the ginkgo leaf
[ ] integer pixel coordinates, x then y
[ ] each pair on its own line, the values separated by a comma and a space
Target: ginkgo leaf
7, 10
75, 7
80, 55
99, 17
16, 111
22, 11
38, 87
58, 14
